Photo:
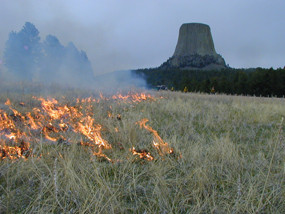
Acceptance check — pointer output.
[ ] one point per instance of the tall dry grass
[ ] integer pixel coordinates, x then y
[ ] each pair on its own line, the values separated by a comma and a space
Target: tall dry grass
233, 161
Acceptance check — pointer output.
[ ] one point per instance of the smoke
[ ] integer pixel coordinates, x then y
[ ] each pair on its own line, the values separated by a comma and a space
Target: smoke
28, 58
119, 81
108, 84
47, 67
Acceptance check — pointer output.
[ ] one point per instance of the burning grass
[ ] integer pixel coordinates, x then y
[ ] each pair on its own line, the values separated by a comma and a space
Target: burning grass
137, 152
54, 123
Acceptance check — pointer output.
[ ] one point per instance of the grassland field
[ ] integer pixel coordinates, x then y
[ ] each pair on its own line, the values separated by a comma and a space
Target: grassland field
229, 157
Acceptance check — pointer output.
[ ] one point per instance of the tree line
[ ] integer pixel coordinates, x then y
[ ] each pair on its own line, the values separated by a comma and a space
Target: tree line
28, 58
254, 82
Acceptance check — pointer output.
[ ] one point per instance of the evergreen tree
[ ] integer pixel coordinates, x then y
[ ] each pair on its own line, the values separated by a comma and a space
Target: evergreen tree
23, 51
27, 58
241, 85
52, 59
77, 64
254, 81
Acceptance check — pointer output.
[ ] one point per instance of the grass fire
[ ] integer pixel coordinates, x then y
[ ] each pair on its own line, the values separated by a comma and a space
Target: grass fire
141, 152
53, 123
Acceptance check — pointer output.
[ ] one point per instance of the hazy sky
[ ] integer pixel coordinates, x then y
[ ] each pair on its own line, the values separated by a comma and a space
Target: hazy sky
130, 34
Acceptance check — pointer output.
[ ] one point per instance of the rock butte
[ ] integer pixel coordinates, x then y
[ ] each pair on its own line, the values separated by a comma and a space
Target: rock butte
195, 49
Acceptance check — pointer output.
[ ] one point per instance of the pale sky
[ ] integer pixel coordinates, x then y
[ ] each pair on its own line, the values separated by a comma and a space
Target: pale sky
131, 34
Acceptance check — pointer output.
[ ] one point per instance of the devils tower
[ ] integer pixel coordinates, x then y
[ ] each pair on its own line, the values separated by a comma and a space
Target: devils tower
195, 49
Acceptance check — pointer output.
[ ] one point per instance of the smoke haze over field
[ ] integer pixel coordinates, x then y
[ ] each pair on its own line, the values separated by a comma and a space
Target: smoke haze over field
121, 35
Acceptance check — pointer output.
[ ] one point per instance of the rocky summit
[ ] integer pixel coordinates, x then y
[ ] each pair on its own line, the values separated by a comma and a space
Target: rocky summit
195, 49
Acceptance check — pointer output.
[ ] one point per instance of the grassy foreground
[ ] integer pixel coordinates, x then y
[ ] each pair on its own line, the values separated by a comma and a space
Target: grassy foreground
232, 160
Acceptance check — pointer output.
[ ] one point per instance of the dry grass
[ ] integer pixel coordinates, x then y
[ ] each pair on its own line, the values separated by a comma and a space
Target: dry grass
233, 161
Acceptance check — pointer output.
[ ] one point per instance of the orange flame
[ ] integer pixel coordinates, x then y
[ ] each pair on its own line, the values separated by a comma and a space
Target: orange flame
52, 120
14, 152
8, 102
92, 132
143, 154
31, 121
161, 146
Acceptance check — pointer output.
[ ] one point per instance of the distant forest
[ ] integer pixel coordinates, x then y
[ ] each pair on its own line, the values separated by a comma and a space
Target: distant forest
255, 81
28, 58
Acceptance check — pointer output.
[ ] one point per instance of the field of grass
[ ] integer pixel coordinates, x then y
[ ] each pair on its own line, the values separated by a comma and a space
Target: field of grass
228, 157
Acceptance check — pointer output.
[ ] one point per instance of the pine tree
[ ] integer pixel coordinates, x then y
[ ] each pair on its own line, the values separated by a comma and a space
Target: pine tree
23, 51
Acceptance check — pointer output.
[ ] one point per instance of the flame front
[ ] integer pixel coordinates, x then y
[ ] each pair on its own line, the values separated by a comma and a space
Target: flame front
54, 122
